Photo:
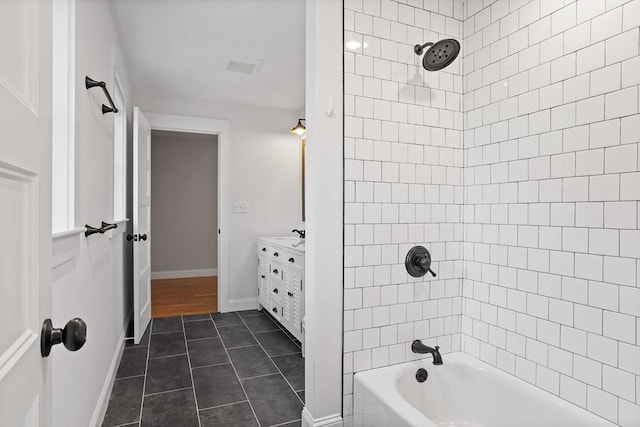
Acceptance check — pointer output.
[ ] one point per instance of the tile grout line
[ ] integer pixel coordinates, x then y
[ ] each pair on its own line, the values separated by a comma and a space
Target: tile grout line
234, 369
226, 404
193, 384
146, 369
168, 355
285, 423
209, 366
271, 359
169, 391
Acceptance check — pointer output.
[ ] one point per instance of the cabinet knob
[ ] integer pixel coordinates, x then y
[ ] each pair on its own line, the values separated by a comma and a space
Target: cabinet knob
275, 271
290, 294
263, 276
275, 254
264, 249
291, 260
275, 290
275, 310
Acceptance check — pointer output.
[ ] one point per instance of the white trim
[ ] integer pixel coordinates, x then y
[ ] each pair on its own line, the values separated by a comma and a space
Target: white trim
63, 115
241, 304
221, 129
324, 212
66, 233
103, 400
121, 177
183, 274
329, 421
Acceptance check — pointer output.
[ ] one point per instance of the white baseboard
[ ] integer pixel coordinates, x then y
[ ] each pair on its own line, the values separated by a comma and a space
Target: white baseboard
183, 274
103, 400
241, 304
329, 421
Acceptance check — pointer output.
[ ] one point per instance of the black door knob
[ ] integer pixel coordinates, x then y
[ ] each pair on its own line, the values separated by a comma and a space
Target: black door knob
73, 336
130, 237
142, 236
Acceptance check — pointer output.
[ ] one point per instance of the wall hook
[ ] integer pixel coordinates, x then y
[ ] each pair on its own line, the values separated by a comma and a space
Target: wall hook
90, 83
90, 230
106, 226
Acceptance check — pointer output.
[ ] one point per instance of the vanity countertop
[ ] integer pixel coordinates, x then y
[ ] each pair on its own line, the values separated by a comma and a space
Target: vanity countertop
292, 243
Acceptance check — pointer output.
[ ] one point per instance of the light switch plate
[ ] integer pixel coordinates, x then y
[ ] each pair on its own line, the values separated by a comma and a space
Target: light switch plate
240, 207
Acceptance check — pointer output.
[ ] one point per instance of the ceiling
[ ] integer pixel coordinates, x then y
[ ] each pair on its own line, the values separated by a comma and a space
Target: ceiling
181, 48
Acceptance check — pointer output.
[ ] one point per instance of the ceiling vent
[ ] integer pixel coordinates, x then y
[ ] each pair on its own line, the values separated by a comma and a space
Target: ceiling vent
243, 66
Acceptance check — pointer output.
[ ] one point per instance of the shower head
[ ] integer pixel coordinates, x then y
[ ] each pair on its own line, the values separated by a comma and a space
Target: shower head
439, 55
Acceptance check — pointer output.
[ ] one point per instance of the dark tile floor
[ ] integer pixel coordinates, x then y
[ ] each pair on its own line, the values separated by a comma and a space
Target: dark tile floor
232, 369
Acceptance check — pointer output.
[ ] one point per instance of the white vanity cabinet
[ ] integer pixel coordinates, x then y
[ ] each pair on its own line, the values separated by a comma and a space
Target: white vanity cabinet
280, 281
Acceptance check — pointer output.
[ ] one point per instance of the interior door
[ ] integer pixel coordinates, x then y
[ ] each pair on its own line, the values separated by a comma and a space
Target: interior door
25, 210
141, 224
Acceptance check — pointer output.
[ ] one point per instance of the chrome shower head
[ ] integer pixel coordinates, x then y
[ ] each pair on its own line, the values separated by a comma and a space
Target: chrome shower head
439, 55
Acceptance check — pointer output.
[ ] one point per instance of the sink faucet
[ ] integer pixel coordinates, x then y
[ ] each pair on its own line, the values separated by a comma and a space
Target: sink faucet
418, 347
301, 233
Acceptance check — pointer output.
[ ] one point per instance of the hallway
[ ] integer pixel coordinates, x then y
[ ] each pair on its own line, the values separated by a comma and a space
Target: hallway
242, 369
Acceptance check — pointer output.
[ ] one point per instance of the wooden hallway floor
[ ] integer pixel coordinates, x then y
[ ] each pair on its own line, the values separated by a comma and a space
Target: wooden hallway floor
181, 297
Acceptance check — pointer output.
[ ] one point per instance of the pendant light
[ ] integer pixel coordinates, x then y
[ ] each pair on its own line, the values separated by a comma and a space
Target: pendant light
299, 129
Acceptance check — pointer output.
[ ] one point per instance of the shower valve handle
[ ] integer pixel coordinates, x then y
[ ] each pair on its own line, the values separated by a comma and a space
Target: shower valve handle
418, 262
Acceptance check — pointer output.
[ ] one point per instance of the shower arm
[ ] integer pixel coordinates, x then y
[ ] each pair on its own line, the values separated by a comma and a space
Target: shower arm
419, 49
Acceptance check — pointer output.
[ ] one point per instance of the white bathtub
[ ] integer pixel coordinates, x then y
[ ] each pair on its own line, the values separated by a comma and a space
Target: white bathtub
464, 392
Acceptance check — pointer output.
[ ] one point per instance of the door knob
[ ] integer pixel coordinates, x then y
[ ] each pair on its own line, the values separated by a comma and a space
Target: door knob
73, 336
130, 237
142, 236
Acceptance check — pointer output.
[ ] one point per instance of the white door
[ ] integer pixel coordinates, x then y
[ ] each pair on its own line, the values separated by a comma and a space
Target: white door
141, 224
25, 210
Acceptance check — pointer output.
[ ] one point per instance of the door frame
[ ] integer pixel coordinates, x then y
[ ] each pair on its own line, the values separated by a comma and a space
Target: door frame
220, 128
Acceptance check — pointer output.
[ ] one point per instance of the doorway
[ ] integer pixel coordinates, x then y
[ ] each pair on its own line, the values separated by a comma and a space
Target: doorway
184, 223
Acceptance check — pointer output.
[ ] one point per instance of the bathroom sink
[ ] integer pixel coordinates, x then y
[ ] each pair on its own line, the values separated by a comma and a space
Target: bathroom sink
294, 242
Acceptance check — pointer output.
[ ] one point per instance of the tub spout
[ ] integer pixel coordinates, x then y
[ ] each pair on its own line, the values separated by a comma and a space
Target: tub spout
418, 347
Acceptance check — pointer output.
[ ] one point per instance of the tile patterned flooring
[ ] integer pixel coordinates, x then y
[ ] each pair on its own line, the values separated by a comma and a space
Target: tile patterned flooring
224, 369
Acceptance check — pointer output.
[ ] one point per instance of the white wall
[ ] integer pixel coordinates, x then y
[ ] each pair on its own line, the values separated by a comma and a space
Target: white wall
184, 190
264, 172
89, 273
552, 245
403, 185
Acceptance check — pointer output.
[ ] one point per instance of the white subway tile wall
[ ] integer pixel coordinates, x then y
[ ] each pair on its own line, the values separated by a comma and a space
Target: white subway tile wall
518, 167
555, 221
403, 180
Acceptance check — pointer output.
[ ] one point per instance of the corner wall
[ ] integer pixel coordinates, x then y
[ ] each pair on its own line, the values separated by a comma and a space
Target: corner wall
403, 184
90, 277
551, 197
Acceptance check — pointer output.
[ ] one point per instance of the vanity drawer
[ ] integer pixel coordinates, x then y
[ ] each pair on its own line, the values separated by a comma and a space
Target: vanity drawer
276, 288
275, 308
276, 270
276, 253
264, 249
293, 259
